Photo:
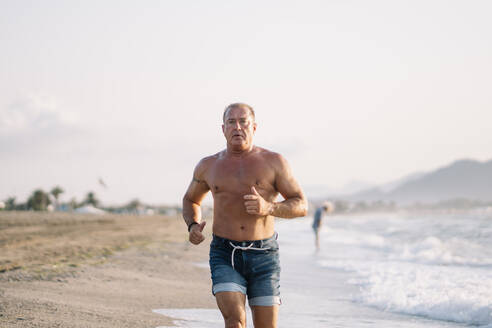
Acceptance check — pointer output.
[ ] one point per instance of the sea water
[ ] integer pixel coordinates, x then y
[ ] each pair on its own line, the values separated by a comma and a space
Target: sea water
380, 270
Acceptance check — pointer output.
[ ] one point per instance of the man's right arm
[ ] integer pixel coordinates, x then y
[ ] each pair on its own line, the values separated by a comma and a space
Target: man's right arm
192, 199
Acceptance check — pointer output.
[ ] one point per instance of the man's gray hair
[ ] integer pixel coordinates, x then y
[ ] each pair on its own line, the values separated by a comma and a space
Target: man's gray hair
234, 105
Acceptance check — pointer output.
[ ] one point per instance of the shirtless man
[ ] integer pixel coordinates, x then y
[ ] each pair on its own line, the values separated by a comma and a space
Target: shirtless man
245, 181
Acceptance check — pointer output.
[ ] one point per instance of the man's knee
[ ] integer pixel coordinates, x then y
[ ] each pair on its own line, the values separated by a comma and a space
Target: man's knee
234, 323
235, 319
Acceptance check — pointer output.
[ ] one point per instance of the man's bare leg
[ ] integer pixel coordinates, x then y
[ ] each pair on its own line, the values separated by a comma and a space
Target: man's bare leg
232, 306
265, 316
316, 240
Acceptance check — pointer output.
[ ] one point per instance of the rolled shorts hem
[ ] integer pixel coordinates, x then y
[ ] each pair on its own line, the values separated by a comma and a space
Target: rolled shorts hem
265, 301
228, 287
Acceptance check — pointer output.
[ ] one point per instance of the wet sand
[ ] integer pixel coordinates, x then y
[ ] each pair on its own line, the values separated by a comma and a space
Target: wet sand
72, 270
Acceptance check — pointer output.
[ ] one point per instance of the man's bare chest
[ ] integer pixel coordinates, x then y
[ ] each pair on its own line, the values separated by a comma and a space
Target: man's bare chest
239, 177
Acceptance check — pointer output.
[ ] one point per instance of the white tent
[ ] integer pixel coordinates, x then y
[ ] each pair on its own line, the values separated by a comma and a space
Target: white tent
89, 209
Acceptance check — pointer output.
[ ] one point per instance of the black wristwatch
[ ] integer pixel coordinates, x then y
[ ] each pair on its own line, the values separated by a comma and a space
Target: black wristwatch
191, 225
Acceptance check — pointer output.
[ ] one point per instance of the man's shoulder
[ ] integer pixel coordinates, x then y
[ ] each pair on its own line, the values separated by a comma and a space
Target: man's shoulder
209, 160
273, 158
268, 154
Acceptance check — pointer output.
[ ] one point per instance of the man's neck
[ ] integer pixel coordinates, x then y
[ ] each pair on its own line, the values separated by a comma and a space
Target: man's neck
239, 152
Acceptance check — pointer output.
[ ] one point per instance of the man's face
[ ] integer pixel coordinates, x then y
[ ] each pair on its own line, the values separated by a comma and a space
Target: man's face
239, 127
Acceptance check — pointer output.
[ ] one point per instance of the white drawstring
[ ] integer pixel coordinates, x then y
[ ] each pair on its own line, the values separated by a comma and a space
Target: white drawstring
244, 248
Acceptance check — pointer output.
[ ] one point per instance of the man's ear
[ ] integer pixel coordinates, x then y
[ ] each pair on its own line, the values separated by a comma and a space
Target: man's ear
254, 126
223, 128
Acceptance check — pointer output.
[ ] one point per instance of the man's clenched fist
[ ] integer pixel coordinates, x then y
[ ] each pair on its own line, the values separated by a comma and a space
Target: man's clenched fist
257, 205
196, 236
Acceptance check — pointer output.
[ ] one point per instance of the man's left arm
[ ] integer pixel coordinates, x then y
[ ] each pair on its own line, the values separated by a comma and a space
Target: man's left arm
295, 203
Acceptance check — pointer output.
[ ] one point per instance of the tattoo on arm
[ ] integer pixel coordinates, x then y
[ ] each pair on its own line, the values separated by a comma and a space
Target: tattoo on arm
199, 181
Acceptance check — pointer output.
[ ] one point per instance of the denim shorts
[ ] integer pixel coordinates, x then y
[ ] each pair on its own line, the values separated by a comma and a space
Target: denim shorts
248, 267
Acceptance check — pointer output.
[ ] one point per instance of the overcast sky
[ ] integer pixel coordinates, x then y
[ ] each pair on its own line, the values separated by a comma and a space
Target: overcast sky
133, 91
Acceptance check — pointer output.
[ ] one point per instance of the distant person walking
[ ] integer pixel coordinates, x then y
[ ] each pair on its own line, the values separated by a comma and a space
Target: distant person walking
327, 207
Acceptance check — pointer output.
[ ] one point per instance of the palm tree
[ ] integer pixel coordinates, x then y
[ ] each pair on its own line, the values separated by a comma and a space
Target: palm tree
10, 204
56, 191
133, 205
91, 199
38, 201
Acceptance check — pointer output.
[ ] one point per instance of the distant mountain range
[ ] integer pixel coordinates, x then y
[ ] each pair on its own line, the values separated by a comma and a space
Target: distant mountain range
465, 178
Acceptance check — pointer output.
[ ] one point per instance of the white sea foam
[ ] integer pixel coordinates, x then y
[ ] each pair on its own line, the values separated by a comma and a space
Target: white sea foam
351, 237
432, 250
435, 292
425, 268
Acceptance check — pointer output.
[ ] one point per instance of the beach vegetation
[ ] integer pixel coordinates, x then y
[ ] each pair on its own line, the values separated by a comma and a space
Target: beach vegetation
38, 201
90, 199
56, 192
10, 204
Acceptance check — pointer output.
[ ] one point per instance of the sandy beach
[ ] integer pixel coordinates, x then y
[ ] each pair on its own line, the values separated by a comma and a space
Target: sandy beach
71, 270
374, 270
